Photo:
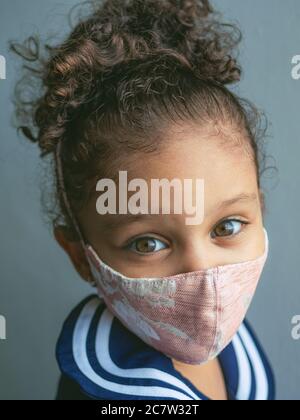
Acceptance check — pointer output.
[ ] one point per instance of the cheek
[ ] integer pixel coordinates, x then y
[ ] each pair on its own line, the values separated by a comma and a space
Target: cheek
257, 242
261, 242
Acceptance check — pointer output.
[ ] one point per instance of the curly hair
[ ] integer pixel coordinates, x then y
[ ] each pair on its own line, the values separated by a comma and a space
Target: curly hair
125, 73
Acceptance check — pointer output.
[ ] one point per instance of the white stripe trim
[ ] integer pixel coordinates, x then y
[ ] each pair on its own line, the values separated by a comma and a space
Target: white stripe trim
102, 352
244, 370
262, 386
80, 356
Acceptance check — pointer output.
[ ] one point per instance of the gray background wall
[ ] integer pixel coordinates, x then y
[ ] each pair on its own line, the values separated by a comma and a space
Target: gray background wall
38, 286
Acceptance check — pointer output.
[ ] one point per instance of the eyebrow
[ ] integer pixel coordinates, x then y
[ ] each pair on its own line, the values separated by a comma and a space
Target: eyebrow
238, 198
124, 219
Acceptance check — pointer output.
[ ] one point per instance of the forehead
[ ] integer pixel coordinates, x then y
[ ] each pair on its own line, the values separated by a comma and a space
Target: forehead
223, 162
221, 157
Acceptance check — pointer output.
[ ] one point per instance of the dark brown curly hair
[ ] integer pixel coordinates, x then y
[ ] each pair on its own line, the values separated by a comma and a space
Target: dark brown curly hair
126, 72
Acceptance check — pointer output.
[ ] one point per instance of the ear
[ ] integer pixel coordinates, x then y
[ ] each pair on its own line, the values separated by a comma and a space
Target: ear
75, 252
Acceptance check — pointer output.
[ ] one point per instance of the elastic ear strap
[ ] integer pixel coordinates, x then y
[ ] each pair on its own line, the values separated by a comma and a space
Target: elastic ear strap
64, 193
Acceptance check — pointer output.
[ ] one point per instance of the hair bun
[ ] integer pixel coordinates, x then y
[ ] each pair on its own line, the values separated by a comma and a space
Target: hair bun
139, 42
147, 14
186, 29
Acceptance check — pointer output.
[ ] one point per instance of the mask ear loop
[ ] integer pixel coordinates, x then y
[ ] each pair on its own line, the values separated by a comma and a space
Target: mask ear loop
61, 185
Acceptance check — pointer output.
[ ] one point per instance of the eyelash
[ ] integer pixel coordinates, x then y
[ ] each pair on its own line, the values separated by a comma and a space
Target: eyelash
129, 245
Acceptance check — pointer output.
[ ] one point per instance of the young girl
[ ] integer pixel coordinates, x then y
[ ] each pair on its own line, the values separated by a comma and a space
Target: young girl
141, 86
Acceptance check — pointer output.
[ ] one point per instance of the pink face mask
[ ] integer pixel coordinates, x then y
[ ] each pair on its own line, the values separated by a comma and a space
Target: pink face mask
190, 317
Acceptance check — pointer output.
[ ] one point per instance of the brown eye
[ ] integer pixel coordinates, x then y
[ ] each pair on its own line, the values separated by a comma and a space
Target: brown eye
147, 245
227, 228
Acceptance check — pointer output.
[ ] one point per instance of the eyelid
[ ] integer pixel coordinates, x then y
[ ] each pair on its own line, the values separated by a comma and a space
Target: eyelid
231, 219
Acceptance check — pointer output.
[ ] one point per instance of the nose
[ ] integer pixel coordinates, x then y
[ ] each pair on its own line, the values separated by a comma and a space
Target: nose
197, 256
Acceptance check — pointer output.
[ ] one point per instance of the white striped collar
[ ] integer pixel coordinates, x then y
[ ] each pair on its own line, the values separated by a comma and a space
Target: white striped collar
109, 362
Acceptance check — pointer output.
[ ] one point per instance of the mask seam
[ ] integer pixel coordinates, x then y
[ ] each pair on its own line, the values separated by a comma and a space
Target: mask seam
217, 312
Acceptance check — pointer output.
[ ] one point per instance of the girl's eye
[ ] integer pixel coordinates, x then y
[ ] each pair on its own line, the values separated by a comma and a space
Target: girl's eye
228, 228
147, 245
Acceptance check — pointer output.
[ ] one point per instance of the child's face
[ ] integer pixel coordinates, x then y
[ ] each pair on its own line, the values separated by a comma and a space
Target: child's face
164, 245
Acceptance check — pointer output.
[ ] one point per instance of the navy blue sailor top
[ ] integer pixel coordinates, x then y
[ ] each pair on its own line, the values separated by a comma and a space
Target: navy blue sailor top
100, 359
